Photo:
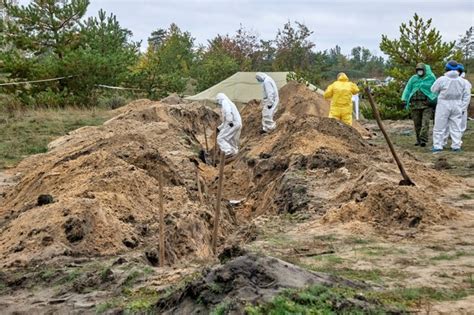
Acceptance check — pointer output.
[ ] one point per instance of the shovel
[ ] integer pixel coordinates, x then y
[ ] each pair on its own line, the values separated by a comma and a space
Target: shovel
406, 181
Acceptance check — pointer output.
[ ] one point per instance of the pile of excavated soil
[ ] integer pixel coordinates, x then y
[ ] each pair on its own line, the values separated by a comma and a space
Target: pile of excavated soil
389, 206
95, 192
303, 102
246, 280
101, 188
316, 164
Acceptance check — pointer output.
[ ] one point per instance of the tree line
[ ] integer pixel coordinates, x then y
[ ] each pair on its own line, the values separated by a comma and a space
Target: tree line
52, 39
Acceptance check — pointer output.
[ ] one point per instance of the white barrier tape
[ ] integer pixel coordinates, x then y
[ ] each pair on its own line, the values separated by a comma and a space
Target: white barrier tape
61, 78
35, 81
117, 87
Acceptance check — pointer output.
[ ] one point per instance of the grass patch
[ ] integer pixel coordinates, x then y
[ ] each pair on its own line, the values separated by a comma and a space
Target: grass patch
324, 300
381, 251
71, 276
373, 275
446, 256
325, 238
29, 132
104, 307
411, 297
315, 300
330, 259
222, 308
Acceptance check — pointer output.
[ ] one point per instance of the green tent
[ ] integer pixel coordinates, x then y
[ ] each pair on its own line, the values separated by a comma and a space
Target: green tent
240, 87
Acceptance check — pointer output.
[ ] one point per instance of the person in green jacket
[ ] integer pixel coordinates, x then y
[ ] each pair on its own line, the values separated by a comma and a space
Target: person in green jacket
418, 97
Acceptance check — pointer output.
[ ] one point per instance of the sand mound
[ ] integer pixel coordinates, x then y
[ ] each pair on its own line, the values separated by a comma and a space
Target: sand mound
302, 102
104, 185
96, 191
389, 206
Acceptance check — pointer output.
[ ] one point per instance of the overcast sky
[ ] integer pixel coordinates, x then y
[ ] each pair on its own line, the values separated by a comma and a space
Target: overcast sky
347, 23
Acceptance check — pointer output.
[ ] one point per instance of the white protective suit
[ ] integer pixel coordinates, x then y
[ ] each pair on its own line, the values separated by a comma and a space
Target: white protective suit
355, 102
463, 126
467, 101
269, 102
452, 95
229, 131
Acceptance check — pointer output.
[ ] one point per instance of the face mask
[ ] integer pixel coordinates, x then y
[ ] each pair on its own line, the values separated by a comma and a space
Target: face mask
420, 72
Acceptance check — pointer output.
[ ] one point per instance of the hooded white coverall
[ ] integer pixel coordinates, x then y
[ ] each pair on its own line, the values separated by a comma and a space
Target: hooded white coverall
229, 131
452, 95
355, 102
269, 102
464, 112
467, 101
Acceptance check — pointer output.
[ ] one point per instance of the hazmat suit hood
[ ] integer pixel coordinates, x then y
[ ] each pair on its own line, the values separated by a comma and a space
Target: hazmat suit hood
421, 66
453, 74
221, 97
342, 77
260, 76
423, 84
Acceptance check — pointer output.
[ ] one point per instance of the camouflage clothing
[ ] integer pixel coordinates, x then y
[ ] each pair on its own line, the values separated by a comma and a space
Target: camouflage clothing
421, 113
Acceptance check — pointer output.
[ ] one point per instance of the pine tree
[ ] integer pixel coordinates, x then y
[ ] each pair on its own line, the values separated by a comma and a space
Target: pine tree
466, 46
418, 42
45, 26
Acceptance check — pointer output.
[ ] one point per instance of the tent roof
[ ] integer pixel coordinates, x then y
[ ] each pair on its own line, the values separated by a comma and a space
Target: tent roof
240, 87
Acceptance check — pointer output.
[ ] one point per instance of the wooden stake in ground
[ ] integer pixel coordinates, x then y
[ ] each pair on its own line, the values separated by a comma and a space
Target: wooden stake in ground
162, 221
198, 182
205, 138
406, 181
214, 158
217, 213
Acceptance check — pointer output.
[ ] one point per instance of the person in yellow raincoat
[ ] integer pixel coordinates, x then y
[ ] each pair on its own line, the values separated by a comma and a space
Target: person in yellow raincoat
340, 92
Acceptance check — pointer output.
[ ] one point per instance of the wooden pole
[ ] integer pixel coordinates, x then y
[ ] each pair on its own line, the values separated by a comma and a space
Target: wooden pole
214, 159
406, 181
205, 138
198, 182
218, 203
162, 221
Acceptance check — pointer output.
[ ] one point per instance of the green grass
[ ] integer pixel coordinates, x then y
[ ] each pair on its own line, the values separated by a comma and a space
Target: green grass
411, 297
372, 275
330, 259
460, 162
325, 238
222, 308
27, 133
456, 255
381, 251
324, 300
314, 300
357, 241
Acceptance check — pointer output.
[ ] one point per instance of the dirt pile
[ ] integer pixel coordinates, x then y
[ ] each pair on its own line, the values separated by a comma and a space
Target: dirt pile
302, 102
388, 206
245, 280
104, 185
102, 182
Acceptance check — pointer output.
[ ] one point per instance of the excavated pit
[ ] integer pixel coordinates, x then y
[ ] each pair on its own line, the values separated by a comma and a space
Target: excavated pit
103, 182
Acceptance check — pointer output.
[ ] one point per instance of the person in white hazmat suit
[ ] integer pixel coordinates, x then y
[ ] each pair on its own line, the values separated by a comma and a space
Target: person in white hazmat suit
467, 100
229, 131
452, 95
355, 102
269, 102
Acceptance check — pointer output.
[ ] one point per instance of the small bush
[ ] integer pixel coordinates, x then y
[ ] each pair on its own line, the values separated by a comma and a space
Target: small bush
9, 104
388, 100
112, 102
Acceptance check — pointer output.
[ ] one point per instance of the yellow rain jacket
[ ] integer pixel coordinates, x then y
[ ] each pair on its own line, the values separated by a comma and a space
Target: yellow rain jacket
340, 93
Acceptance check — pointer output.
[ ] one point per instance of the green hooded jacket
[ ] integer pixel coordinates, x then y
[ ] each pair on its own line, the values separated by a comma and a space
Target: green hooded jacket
422, 84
